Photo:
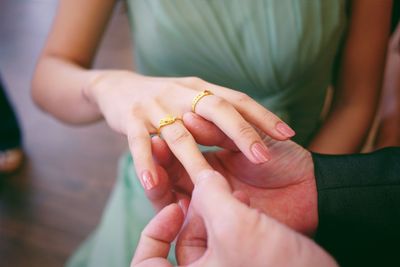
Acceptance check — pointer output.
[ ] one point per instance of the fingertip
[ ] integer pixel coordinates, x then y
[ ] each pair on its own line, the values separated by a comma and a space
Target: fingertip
160, 185
188, 116
260, 153
149, 179
207, 181
156, 238
166, 224
194, 121
284, 130
155, 139
212, 198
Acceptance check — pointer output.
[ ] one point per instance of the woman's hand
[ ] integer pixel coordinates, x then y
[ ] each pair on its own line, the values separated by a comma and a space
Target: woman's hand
133, 105
284, 188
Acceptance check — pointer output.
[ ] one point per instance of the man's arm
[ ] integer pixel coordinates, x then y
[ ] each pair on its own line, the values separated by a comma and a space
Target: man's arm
359, 207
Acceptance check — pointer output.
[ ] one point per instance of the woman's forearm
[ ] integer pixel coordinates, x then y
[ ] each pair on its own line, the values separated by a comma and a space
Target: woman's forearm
344, 130
57, 87
389, 125
63, 68
359, 79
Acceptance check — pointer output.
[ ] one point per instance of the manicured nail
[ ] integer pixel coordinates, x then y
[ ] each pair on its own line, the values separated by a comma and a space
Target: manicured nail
260, 152
284, 129
147, 180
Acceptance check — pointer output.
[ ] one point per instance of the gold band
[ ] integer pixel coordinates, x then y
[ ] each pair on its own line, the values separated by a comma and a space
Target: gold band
167, 120
197, 98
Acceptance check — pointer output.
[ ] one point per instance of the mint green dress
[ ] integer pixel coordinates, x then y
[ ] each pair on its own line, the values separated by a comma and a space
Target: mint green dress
280, 52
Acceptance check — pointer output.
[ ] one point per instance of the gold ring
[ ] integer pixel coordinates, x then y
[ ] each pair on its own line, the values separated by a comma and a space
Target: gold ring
197, 98
167, 120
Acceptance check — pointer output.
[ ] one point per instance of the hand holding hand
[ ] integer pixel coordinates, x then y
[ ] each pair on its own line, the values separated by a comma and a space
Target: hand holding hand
222, 231
284, 187
133, 105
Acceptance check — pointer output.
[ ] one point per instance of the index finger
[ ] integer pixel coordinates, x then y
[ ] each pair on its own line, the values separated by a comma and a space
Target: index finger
185, 149
157, 236
213, 200
181, 143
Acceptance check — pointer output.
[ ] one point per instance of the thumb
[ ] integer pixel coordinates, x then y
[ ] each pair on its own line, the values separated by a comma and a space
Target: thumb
154, 243
212, 197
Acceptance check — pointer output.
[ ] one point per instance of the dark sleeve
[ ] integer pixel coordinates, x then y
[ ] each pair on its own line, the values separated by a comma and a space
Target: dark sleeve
359, 207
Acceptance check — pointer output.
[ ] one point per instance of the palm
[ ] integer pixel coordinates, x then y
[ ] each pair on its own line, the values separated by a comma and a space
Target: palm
282, 187
289, 164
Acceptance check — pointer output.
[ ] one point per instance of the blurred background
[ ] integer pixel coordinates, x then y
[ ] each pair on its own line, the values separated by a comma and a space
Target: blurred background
53, 203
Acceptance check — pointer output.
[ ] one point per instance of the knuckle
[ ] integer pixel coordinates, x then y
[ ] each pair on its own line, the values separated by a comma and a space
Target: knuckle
165, 89
178, 136
134, 137
136, 108
242, 98
194, 80
158, 100
245, 129
268, 116
219, 102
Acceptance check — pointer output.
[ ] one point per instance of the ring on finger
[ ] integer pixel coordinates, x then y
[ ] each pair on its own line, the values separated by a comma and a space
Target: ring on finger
198, 97
167, 120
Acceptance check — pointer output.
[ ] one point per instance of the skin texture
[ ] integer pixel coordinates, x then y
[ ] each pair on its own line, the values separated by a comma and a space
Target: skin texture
358, 81
65, 86
132, 104
389, 126
283, 188
139, 112
222, 231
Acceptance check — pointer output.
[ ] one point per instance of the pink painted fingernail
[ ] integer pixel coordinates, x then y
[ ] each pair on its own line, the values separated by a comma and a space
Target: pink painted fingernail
147, 180
260, 152
284, 129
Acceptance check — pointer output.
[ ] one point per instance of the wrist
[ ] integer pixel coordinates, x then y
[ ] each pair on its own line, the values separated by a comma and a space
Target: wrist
98, 80
89, 91
388, 133
312, 193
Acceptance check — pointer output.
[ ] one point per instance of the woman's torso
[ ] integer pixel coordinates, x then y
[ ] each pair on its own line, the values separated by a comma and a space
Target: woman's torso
280, 52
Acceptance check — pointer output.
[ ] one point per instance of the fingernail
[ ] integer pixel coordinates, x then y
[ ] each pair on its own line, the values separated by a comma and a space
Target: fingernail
183, 207
191, 115
260, 152
147, 180
284, 129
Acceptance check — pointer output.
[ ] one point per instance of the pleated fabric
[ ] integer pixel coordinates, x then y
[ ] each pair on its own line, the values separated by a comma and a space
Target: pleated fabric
280, 52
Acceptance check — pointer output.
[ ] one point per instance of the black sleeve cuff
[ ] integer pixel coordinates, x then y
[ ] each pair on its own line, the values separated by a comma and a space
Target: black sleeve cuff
359, 205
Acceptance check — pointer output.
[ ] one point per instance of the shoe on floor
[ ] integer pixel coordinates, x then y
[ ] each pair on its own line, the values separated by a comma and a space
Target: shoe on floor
10, 160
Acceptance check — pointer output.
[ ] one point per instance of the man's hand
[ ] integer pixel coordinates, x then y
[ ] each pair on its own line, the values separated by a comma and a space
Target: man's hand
222, 231
284, 187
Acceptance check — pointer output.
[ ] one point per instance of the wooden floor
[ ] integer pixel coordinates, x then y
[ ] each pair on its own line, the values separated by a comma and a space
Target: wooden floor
55, 201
